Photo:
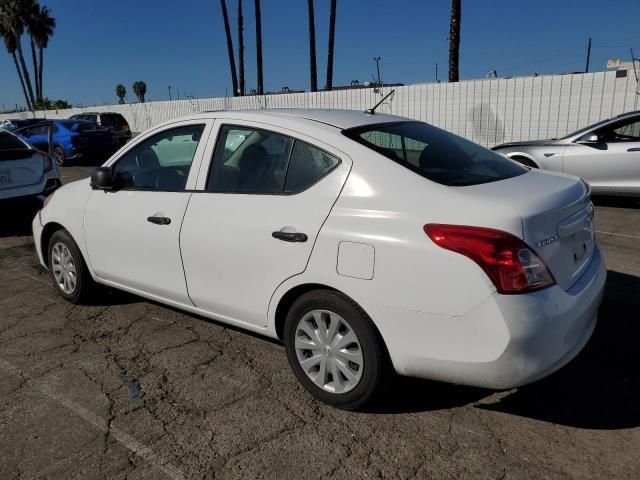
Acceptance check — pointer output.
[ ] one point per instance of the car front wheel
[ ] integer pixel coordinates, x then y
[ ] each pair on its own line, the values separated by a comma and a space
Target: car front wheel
68, 269
335, 350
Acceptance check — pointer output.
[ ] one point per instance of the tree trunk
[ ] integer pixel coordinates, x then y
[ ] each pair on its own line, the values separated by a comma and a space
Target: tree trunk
332, 31
24, 88
259, 46
35, 70
232, 60
240, 49
454, 40
25, 72
40, 66
312, 48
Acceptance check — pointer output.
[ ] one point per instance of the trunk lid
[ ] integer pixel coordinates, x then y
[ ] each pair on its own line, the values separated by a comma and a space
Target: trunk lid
24, 167
557, 218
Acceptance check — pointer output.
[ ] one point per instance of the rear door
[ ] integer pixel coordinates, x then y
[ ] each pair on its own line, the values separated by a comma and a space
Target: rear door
612, 163
266, 195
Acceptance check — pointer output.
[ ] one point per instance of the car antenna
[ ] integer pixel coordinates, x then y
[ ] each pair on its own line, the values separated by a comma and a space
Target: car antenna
372, 110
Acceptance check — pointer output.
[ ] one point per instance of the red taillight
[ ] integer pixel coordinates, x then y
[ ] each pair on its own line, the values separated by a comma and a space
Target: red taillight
125, 126
509, 262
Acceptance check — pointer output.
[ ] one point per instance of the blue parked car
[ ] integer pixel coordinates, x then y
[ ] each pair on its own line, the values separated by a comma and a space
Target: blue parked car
71, 139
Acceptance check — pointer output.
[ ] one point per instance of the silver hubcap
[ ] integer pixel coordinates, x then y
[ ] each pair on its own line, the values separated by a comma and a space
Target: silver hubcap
329, 351
64, 268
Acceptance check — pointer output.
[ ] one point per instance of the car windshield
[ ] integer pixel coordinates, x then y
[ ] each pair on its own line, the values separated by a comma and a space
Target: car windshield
584, 129
435, 154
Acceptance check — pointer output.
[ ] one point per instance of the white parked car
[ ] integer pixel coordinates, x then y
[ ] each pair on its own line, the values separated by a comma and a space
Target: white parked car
367, 243
25, 173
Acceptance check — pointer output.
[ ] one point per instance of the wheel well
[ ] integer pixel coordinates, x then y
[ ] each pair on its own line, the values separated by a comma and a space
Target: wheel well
47, 233
525, 161
287, 300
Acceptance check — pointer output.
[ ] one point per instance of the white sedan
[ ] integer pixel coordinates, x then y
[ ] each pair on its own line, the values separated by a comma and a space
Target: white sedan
367, 243
25, 173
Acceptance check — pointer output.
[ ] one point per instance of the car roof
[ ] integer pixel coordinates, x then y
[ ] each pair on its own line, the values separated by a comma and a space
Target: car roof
341, 119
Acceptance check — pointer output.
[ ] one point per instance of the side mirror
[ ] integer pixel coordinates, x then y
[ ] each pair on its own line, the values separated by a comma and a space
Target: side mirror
102, 178
593, 138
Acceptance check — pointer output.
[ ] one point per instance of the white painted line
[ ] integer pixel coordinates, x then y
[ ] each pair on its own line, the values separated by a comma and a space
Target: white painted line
120, 436
618, 234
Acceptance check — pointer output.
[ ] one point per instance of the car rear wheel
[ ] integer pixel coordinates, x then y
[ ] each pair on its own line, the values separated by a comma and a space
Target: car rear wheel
335, 350
58, 155
68, 269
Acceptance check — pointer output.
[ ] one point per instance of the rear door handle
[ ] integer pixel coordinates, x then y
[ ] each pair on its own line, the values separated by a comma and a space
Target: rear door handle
159, 220
633, 149
290, 236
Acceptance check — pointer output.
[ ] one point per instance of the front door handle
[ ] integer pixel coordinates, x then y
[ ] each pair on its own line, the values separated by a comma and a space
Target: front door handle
290, 236
159, 220
633, 149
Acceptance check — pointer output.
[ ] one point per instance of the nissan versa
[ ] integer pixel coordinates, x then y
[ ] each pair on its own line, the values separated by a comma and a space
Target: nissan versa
367, 243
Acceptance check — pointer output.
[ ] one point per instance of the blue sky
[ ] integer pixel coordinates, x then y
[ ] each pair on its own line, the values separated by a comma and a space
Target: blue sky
99, 44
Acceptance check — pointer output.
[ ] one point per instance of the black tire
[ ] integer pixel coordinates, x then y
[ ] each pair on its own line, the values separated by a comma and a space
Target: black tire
59, 156
377, 368
525, 161
85, 286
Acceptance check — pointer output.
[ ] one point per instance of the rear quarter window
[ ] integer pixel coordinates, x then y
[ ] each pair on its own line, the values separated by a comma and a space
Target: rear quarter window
435, 154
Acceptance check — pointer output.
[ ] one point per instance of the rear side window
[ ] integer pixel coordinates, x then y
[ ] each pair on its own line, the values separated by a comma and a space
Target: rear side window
307, 165
435, 154
249, 160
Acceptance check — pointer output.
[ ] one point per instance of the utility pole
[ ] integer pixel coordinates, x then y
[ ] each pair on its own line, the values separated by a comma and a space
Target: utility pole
633, 62
377, 60
169, 92
437, 81
586, 69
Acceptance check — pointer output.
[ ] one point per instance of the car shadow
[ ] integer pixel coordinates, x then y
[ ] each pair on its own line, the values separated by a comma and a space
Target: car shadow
616, 202
17, 217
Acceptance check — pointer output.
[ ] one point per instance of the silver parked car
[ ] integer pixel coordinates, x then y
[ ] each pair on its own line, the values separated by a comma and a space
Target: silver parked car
605, 154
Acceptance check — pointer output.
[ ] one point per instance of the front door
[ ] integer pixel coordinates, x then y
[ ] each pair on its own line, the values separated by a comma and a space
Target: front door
132, 233
612, 162
267, 195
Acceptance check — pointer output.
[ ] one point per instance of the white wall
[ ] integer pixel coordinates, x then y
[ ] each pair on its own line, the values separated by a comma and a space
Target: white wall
488, 111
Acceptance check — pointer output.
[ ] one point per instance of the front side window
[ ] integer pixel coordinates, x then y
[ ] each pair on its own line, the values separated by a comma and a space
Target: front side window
436, 154
249, 160
161, 162
628, 131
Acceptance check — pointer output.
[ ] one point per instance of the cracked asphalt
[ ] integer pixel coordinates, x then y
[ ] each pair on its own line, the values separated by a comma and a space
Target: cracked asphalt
132, 389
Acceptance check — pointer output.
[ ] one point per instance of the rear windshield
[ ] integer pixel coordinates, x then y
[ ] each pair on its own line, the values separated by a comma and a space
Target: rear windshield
12, 148
114, 120
435, 154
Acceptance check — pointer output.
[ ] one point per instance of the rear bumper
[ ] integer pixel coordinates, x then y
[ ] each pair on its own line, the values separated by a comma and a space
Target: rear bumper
507, 341
37, 191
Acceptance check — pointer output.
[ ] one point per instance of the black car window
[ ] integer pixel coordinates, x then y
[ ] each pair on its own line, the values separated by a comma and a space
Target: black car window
113, 120
628, 131
307, 165
249, 160
435, 154
11, 142
161, 162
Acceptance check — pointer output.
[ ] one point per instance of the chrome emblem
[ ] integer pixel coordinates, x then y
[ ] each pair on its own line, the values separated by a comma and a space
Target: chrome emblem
546, 241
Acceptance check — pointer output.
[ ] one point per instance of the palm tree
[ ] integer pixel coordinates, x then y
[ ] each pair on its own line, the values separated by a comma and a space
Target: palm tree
232, 60
12, 14
41, 26
140, 89
240, 49
259, 46
454, 40
332, 31
312, 47
121, 92
10, 43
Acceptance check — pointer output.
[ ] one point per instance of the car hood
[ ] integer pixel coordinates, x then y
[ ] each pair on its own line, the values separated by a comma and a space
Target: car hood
531, 143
